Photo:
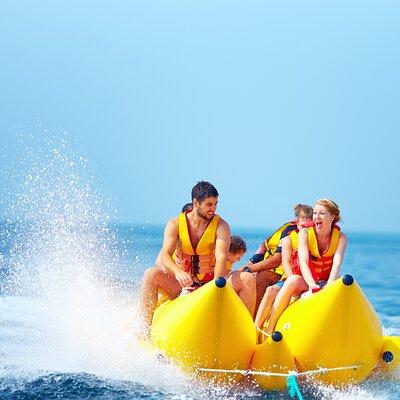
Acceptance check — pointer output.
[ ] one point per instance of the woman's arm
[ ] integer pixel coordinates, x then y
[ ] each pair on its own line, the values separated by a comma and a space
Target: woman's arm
304, 258
338, 258
287, 256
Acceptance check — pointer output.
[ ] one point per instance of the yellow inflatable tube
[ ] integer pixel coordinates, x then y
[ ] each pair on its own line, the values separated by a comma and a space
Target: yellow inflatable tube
273, 356
209, 328
334, 328
334, 336
390, 358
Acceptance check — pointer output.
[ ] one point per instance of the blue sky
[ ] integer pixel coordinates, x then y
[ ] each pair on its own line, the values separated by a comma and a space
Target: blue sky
273, 102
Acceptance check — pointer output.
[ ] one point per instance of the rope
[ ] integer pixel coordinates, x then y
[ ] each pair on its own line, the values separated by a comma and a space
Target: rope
263, 332
320, 371
243, 372
291, 377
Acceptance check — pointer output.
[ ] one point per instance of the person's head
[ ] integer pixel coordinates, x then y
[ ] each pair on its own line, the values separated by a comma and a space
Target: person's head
326, 213
236, 249
187, 207
303, 214
205, 199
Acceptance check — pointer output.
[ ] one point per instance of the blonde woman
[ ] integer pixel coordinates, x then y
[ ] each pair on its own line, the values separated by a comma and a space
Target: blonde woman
321, 250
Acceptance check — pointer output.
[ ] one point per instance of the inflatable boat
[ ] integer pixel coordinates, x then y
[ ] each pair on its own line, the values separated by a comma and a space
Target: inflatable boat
334, 335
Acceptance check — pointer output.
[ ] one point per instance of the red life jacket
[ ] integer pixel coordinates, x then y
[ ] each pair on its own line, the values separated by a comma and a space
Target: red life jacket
320, 265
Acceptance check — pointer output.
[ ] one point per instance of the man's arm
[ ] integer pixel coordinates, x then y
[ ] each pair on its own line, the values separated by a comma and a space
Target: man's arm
269, 263
222, 248
256, 258
338, 258
171, 234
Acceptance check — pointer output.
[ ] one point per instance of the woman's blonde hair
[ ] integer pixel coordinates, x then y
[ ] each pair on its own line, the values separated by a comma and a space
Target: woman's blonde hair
332, 207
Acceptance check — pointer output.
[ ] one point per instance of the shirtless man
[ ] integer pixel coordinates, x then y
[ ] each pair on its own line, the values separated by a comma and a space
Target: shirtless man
195, 249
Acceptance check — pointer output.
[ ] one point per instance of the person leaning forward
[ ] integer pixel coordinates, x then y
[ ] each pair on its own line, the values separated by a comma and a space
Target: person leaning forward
266, 262
195, 249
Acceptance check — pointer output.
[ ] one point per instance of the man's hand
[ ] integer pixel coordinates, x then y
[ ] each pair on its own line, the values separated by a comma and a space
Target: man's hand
246, 268
183, 278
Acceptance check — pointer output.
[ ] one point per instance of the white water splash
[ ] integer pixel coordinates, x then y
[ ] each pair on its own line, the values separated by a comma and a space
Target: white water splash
65, 310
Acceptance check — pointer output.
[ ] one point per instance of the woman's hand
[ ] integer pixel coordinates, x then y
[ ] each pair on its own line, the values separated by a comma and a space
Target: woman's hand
314, 288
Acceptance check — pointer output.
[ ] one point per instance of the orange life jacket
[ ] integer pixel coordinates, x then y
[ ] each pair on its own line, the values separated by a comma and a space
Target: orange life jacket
320, 265
198, 261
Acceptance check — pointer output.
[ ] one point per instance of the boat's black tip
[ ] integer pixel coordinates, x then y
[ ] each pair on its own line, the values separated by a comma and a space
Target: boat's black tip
387, 356
220, 282
347, 280
276, 336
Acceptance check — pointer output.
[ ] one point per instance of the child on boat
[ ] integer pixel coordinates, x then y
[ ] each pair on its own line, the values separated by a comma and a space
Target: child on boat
266, 262
237, 248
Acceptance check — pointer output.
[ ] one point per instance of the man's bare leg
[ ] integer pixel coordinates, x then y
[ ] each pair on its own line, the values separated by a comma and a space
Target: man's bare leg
244, 284
155, 279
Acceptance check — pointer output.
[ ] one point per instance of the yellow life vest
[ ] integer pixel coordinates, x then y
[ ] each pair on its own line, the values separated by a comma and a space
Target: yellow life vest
200, 260
272, 243
294, 238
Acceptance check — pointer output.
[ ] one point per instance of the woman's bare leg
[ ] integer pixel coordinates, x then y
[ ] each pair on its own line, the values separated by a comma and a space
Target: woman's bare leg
293, 285
264, 309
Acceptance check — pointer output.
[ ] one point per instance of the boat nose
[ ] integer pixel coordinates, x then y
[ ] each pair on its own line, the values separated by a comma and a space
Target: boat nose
220, 282
347, 280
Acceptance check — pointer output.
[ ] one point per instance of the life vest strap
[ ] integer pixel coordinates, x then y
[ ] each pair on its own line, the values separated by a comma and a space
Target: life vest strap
319, 270
194, 260
321, 261
196, 264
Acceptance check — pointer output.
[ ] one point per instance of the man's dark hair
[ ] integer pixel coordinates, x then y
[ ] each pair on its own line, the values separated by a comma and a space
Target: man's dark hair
187, 207
238, 245
202, 190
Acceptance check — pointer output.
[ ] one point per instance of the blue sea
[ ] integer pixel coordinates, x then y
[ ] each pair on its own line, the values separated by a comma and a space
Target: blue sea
69, 281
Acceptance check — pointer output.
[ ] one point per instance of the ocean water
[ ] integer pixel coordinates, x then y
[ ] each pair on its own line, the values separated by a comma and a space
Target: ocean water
69, 282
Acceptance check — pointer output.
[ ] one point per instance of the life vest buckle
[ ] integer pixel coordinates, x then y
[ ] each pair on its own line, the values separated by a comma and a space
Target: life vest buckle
194, 260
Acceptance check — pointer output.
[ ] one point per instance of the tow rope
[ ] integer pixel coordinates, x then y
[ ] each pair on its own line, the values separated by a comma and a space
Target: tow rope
291, 377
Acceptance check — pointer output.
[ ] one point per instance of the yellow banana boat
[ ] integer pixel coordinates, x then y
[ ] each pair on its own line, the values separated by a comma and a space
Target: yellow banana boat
209, 328
334, 335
